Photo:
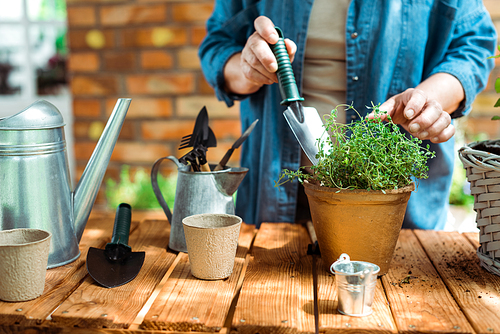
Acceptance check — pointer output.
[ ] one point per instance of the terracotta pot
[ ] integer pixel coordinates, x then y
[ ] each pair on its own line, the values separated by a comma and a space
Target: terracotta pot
363, 224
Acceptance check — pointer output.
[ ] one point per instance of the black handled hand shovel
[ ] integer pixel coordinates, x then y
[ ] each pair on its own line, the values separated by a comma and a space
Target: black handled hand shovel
116, 264
305, 122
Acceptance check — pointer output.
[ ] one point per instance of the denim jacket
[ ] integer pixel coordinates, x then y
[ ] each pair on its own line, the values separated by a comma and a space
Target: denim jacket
391, 45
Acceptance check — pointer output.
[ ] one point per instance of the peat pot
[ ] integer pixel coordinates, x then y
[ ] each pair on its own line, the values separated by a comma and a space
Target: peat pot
212, 240
24, 254
364, 224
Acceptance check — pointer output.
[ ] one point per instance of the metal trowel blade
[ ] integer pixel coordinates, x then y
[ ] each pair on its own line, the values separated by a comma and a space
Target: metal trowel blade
111, 272
307, 127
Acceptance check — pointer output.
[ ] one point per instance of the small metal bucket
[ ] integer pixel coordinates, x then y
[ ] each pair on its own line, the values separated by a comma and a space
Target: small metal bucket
356, 281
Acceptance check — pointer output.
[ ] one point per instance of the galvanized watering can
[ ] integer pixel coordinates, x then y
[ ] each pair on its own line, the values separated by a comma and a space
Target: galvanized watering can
196, 193
35, 182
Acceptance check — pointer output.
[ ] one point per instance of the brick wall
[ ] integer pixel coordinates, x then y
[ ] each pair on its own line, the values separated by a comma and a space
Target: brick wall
478, 122
147, 50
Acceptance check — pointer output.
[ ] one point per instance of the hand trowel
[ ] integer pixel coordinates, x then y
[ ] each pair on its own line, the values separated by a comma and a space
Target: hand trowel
116, 264
305, 122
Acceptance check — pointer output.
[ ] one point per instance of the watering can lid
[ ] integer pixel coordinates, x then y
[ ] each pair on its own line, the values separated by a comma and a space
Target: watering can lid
39, 115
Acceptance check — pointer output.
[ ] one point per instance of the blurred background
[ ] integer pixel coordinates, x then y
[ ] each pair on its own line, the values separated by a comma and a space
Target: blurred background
83, 55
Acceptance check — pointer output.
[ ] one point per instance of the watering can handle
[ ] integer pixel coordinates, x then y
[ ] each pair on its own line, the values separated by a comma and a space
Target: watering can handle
156, 188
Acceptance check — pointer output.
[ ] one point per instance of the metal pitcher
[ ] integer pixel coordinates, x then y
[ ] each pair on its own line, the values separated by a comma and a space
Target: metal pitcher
196, 193
35, 182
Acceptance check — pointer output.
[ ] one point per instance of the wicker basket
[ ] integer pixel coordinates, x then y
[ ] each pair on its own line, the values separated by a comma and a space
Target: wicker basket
483, 173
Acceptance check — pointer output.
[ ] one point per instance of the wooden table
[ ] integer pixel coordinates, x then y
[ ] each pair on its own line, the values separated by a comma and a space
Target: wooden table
435, 285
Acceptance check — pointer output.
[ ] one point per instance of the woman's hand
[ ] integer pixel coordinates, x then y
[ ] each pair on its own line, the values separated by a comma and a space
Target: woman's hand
424, 111
256, 65
419, 115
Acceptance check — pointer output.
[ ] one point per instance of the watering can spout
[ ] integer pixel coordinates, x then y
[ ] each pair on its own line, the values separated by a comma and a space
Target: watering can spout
90, 182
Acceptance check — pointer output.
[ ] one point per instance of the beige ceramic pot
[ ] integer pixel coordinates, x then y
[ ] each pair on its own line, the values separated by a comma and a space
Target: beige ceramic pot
212, 240
24, 254
363, 224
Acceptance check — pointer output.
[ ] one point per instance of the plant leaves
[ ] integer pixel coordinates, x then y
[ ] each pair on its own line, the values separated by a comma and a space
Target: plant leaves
136, 189
497, 85
497, 104
497, 56
367, 154
496, 118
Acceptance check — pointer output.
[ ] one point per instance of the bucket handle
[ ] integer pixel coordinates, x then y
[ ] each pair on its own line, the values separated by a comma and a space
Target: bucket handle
156, 188
345, 258
342, 258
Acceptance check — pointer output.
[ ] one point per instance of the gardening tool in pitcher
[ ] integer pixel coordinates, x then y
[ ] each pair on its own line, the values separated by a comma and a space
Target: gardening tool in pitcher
200, 140
356, 281
222, 163
196, 193
34, 176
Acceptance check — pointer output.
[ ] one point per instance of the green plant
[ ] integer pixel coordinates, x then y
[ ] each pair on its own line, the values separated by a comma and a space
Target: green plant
370, 154
497, 87
457, 194
138, 191
460, 188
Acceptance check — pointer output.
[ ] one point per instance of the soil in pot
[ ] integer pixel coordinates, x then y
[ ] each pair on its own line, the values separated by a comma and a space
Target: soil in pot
364, 224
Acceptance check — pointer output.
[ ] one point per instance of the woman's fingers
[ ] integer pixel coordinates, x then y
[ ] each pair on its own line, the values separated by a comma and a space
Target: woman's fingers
422, 117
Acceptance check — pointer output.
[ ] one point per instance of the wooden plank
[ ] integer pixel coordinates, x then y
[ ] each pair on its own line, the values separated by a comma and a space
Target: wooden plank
418, 297
59, 282
186, 303
380, 321
20, 329
304, 281
330, 320
93, 306
270, 300
476, 291
473, 238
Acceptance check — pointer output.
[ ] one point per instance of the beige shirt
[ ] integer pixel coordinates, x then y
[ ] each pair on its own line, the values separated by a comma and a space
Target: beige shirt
324, 78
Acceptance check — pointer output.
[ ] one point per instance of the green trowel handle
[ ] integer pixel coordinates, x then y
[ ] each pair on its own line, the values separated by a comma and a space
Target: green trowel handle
288, 86
121, 229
